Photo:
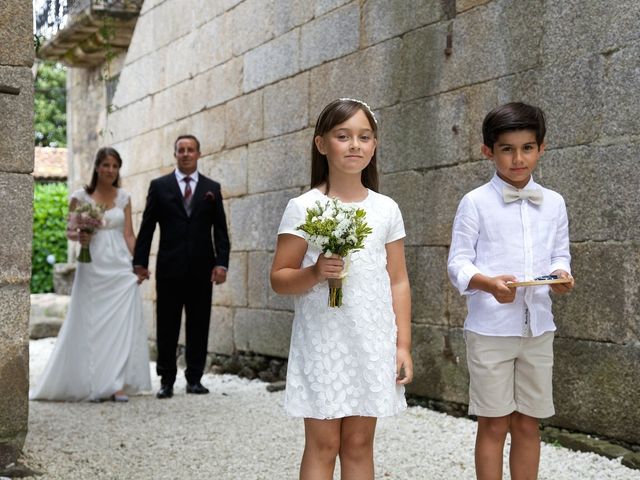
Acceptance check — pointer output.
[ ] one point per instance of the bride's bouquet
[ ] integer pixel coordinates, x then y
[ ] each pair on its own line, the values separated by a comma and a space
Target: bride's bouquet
335, 228
86, 218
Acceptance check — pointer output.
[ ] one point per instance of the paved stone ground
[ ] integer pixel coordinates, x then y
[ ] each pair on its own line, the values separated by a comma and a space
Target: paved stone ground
239, 432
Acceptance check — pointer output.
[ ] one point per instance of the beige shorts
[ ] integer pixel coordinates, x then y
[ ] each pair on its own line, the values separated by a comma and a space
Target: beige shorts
510, 374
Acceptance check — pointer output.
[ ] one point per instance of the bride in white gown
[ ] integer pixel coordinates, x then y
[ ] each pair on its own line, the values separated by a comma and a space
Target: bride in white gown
101, 351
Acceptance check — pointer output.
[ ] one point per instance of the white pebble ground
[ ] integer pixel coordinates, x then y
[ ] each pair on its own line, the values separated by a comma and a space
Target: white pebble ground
239, 432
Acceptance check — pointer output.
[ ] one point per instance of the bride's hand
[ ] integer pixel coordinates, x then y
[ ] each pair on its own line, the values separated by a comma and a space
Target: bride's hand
84, 238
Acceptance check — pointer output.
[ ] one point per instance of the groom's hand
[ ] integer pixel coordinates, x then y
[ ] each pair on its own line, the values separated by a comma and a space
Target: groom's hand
141, 272
218, 275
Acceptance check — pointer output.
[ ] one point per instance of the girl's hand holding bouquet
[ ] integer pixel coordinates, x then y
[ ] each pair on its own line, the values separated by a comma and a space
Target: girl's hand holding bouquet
85, 220
337, 230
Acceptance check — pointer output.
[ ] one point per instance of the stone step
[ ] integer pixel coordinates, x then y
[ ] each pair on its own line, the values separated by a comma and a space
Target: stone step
48, 311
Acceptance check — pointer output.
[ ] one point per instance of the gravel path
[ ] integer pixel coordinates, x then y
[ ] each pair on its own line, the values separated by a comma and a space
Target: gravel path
239, 432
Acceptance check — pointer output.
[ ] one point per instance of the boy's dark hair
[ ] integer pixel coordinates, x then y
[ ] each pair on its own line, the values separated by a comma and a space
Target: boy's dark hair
335, 113
190, 137
513, 116
101, 156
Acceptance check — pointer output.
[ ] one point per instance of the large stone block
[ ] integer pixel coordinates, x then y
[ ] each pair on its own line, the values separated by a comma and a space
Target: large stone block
157, 27
621, 77
291, 14
271, 61
46, 314
136, 81
254, 219
16, 128
440, 130
324, 6
252, 23
429, 200
330, 36
286, 106
16, 34
596, 388
14, 369
208, 126
280, 162
344, 77
462, 5
584, 176
16, 198
427, 268
439, 362
574, 28
221, 331
385, 19
230, 169
129, 121
233, 292
259, 286
244, 120
482, 49
263, 331
572, 97
605, 303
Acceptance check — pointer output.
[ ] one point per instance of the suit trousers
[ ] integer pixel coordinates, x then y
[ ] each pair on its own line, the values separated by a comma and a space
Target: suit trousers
194, 295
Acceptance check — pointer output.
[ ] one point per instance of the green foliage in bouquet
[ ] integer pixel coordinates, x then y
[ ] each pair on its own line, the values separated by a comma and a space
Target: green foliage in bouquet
49, 240
336, 227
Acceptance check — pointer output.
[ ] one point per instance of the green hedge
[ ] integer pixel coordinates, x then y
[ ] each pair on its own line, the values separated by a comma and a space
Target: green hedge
50, 208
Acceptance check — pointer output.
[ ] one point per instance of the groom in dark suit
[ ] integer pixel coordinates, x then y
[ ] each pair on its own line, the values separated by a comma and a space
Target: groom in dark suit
192, 256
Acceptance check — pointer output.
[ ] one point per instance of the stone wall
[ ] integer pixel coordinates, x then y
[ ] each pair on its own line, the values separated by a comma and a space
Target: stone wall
16, 197
249, 79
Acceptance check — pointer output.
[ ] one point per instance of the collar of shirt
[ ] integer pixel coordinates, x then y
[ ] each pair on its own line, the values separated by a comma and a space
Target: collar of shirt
499, 184
183, 185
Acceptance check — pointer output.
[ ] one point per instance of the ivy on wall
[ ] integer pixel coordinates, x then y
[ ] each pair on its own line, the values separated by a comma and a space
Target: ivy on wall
50, 210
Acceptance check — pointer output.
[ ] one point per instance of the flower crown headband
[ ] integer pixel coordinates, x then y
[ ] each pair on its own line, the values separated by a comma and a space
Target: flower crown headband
363, 104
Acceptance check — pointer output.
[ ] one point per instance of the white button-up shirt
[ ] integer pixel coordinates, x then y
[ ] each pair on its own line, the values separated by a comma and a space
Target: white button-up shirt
518, 238
182, 184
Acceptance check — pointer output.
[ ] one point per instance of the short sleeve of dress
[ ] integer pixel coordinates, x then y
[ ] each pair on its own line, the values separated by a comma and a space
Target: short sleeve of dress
123, 199
292, 217
396, 224
78, 195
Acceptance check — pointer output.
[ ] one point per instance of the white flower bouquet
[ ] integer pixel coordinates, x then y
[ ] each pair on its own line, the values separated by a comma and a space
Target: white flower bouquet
86, 218
335, 228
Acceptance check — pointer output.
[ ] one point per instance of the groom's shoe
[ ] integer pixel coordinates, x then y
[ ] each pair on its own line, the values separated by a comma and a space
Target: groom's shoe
197, 388
166, 391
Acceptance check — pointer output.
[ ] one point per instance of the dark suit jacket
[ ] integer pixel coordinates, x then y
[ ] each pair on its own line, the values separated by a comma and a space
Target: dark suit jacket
186, 242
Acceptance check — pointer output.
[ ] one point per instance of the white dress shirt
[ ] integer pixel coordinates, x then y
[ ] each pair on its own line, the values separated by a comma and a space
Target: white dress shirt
182, 184
518, 238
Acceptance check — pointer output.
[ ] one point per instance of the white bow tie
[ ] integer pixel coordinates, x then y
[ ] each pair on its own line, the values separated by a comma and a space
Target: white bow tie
511, 194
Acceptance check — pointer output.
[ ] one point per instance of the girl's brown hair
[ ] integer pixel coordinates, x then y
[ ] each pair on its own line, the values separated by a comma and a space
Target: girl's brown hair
335, 113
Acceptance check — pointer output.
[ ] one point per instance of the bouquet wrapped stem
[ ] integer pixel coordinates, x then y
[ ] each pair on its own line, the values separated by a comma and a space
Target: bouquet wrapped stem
85, 254
335, 292
336, 228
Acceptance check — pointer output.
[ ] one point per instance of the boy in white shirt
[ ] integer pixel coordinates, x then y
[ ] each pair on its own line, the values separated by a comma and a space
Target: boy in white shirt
510, 229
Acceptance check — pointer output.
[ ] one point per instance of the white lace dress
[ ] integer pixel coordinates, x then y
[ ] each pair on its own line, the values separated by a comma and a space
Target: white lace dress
102, 345
342, 360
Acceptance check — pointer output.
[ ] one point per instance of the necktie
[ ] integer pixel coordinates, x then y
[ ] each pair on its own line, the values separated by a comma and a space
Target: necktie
187, 192
511, 194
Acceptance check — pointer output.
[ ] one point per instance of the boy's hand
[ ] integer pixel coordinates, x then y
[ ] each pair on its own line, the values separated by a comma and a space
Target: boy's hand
404, 366
561, 288
496, 286
501, 290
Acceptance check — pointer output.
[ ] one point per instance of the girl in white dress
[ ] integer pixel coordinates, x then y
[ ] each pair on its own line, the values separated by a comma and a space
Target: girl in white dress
101, 351
347, 365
